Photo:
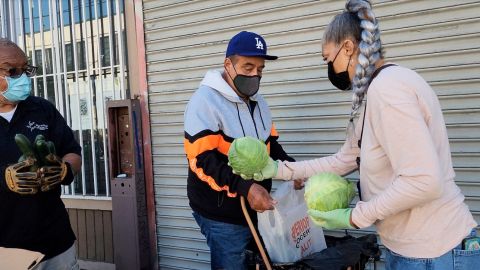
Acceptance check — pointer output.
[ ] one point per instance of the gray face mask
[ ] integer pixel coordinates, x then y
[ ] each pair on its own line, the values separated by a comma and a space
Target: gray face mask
246, 85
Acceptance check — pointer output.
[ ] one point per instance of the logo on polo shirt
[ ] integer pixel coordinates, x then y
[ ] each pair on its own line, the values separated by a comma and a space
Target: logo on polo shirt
259, 44
32, 126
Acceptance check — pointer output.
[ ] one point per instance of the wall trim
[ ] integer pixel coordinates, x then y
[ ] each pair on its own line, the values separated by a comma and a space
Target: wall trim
88, 204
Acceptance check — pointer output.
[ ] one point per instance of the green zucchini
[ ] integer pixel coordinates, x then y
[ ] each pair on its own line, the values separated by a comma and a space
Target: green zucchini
39, 137
24, 145
26, 148
42, 151
51, 147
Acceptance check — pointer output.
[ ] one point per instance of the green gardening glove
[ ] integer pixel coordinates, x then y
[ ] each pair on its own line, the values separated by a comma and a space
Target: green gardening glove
269, 171
332, 220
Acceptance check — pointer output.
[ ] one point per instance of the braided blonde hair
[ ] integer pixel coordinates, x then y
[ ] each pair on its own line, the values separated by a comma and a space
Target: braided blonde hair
358, 23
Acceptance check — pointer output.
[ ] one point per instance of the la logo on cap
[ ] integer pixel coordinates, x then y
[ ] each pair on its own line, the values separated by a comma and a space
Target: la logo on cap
259, 44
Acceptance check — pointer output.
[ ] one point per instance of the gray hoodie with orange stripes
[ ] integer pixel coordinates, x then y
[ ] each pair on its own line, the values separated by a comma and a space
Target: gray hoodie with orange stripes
214, 117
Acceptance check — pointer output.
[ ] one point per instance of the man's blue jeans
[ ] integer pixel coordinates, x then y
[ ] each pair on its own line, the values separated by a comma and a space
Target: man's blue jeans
455, 259
227, 242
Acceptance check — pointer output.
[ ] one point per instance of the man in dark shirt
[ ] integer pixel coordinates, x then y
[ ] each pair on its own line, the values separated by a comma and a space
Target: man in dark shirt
32, 215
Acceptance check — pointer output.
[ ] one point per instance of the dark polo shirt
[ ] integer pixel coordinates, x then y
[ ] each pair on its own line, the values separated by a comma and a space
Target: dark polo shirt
35, 222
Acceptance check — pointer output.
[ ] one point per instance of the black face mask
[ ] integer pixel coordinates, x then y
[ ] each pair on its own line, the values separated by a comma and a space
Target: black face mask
246, 85
340, 80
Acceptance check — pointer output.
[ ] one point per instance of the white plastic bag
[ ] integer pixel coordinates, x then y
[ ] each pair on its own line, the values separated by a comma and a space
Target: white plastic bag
287, 231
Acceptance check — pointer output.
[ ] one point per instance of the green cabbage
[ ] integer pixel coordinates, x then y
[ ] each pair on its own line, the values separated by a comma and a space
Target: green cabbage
247, 155
328, 191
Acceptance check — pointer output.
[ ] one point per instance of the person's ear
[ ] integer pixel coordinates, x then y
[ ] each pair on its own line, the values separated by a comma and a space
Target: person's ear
349, 47
3, 84
227, 63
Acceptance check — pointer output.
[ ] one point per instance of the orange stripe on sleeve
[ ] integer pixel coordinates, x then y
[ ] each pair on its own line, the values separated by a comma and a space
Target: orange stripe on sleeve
204, 144
208, 179
274, 131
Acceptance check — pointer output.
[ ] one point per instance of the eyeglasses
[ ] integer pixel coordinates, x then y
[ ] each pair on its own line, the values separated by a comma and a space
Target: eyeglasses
29, 70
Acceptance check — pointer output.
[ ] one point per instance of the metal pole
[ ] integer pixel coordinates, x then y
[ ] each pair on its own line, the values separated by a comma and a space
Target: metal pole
21, 39
66, 189
32, 44
64, 59
56, 55
110, 44
3, 20
102, 98
77, 92
42, 42
120, 52
11, 15
92, 138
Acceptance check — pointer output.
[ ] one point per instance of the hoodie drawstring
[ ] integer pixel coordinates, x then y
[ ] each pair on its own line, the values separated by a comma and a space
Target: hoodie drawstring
261, 118
239, 119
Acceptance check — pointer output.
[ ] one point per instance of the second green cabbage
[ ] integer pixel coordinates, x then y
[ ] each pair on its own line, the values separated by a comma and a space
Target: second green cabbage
328, 191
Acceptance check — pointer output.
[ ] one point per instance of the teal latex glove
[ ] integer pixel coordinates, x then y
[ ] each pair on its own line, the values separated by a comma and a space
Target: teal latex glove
332, 220
268, 171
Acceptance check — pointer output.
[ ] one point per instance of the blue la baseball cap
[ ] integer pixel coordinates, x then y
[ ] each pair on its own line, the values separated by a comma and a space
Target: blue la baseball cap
248, 44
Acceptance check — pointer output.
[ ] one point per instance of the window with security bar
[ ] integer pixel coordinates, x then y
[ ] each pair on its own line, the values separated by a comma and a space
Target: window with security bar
78, 47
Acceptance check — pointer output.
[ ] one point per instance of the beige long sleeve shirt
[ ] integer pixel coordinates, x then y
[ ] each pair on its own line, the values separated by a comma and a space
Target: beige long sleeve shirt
406, 172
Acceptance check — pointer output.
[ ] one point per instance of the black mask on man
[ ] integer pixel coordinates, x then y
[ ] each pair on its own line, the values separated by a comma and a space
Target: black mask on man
246, 85
340, 80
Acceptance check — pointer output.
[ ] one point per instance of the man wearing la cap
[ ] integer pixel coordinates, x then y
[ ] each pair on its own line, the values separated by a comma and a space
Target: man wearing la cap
227, 106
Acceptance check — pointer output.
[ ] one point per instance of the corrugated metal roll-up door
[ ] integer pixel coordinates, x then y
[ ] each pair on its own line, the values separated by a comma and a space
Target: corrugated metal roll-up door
439, 39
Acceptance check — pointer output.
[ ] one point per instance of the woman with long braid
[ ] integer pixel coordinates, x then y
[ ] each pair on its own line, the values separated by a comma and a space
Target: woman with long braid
400, 146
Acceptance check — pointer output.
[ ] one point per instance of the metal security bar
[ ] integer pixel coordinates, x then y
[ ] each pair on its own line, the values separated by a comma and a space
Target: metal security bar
78, 47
